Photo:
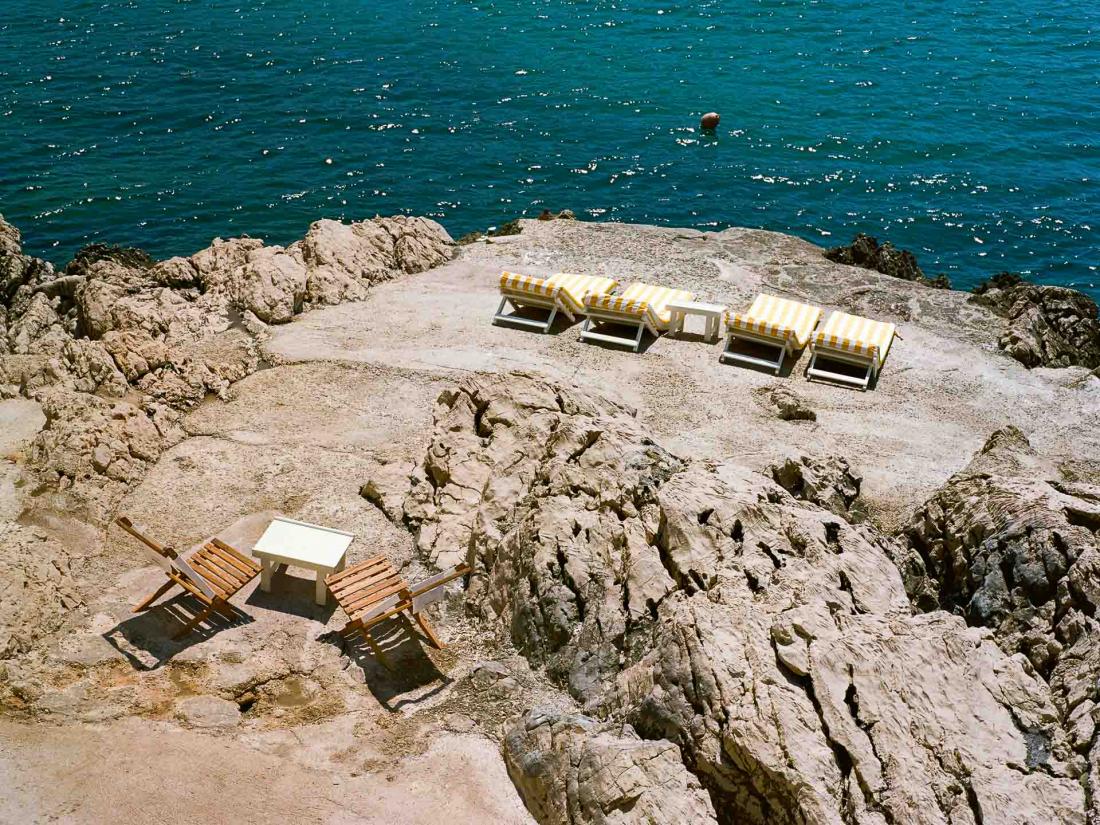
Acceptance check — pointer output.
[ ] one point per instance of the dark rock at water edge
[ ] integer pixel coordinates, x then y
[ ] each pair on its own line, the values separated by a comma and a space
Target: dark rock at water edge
513, 227
1045, 326
865, 251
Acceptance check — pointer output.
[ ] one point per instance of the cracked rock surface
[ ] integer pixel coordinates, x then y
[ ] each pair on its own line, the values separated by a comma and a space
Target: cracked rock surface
571, 768
1011, 545
770, 639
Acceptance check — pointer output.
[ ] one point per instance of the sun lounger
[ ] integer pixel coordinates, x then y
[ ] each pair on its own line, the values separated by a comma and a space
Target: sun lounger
852, 340
212, 574
773, 322
562, 292
372, 591
643, 306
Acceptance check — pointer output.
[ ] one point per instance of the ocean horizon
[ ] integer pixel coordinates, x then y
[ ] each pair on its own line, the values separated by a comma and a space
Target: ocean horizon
964, 132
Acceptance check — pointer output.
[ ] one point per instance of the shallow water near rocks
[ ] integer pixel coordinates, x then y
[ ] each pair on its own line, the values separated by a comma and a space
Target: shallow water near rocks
964, 131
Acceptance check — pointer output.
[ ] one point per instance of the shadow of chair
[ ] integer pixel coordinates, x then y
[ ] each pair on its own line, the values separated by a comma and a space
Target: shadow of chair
153, 631
410, 667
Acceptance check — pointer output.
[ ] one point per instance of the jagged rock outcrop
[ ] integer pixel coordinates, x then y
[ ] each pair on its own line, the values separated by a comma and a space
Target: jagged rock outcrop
1045, 326
19, 274
1009, 545
572, 770
117, 323
827, 482
867, 252
769, 639
786, 404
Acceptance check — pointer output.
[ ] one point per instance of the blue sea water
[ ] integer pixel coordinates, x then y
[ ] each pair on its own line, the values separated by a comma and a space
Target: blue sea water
966, 131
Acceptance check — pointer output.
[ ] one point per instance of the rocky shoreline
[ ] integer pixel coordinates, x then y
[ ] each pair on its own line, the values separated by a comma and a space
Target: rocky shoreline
699, 593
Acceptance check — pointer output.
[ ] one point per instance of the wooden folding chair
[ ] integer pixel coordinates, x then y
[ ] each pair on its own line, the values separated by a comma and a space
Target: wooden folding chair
372, 591
212, 574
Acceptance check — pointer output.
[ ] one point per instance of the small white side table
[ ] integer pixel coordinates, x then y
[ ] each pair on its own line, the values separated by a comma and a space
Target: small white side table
711, 312
311, 546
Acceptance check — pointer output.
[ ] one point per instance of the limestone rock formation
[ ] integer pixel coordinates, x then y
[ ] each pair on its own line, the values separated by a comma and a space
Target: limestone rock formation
86, 436
826, 482
1045, 326
118, 323
38, 329
787, 404
20, 274
571, 770
271, 284
37, 591
769, 639
1011, 546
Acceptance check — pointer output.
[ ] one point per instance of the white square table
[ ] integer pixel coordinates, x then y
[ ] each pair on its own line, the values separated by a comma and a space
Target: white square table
311, 546
711, 312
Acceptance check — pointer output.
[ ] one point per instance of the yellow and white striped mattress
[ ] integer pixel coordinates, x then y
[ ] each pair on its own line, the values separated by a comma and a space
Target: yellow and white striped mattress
580, 287
856, 336
641, 302
521, 286
776, 318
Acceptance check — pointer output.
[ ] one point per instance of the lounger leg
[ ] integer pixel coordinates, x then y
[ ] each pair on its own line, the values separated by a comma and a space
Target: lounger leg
638, 339
783, 353
160, 591
500, 310
867, 376
422, 620
550, 320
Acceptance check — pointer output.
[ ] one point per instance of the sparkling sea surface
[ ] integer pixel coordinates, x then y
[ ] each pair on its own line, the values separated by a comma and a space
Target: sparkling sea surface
968, 132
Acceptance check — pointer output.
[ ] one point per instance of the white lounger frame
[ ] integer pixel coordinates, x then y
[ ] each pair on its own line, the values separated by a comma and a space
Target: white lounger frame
728, 354
603, 317
814, 371
520, 301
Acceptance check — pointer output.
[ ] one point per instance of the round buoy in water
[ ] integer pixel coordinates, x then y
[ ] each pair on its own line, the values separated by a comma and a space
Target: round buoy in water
709, 120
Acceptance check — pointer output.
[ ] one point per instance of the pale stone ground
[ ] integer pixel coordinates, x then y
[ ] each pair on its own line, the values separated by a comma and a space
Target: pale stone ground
332, 737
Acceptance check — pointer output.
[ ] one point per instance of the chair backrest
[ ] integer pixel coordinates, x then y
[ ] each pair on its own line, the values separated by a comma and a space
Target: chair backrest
430, 590
165, 556
385, 606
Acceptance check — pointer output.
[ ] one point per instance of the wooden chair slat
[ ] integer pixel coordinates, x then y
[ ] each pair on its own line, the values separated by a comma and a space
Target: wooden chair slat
242, 566
355, 568
357, 606
247, 562
364, 581
232, 573
220, 586
351, 582
358, 595
202, 560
